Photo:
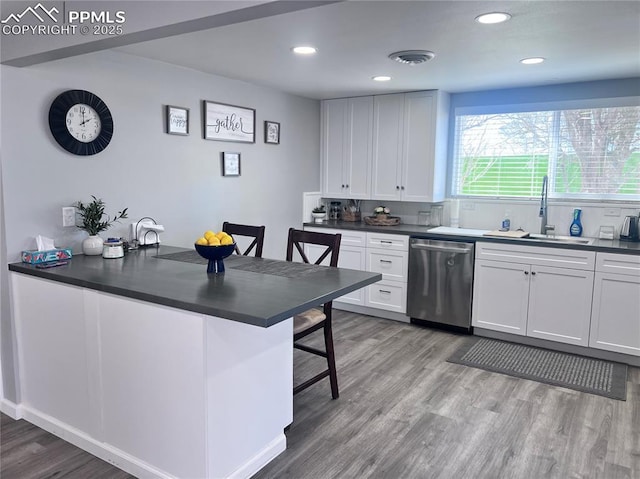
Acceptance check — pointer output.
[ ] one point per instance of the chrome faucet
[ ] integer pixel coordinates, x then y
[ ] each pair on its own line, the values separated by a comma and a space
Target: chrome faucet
544, 227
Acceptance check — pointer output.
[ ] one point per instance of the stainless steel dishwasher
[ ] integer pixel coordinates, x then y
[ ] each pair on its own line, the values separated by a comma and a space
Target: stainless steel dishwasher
440, 283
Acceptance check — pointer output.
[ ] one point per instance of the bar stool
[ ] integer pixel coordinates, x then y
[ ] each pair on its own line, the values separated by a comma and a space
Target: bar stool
255, 232
319, 317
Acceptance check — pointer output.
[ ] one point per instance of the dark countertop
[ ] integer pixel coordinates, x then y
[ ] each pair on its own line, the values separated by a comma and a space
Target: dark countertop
598, 245
255, 291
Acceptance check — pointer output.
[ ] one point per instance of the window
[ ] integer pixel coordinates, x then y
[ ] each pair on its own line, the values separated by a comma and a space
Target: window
590, 153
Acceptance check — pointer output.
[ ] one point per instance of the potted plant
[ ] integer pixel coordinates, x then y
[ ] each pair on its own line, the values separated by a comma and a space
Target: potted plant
91, 216
318, 214
381, 212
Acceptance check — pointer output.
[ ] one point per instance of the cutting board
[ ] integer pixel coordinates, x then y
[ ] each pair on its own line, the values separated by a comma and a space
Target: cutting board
507, 234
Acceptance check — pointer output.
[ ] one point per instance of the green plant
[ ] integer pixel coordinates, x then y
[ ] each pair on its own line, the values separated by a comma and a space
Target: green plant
92, 213
319, 209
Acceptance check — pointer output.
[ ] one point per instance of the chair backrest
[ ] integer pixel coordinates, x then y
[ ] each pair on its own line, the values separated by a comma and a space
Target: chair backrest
297, 238
255, 232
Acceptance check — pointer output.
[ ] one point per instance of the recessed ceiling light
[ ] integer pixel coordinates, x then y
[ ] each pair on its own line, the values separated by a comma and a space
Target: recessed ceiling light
493, 17
381, 78
532, 60
304, 50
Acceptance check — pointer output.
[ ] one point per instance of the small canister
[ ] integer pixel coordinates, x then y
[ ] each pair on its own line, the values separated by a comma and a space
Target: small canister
112, 248
335, 210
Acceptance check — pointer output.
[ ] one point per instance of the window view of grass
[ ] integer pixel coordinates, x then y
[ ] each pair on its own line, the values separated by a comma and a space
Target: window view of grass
590, 153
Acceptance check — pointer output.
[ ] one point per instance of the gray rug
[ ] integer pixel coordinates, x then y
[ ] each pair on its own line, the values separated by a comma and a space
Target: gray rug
589, 375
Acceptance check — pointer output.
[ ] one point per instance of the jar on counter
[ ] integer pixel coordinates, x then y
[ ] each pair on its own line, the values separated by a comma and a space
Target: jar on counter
335, 210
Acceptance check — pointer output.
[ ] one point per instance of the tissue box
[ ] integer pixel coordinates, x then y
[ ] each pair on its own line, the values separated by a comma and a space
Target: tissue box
35, 257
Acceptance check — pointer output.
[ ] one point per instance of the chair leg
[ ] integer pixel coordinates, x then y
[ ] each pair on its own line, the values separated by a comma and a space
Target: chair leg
331, 360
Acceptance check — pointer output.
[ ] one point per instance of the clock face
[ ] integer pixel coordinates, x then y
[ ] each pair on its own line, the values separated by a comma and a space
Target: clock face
80, 122
83, 123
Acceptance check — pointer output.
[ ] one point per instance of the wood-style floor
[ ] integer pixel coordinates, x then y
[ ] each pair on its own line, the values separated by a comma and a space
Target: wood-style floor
404, 412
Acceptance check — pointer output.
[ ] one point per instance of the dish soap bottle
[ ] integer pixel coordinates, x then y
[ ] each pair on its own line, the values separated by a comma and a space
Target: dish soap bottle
506, 222
576, 226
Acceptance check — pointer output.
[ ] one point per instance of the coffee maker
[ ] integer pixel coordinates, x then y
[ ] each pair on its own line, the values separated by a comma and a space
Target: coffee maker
630, 230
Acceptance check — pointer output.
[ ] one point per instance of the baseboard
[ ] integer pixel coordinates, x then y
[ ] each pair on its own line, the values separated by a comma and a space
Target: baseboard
264, 457
110, 454
11, 409
378, 313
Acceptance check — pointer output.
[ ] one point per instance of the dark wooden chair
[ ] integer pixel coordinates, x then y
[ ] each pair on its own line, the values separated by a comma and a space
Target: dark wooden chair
255, 232
320, 317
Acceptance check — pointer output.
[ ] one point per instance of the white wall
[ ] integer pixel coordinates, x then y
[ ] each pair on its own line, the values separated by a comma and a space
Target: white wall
175, 179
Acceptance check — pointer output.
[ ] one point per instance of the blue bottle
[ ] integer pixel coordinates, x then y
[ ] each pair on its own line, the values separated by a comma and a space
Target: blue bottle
576, 226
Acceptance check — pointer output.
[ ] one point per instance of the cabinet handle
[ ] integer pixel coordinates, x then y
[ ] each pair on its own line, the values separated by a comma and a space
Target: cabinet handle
397, 187
402, 187
384, 291
343, 186
386, 241
533, 273
526, 272
385, 261
347, 186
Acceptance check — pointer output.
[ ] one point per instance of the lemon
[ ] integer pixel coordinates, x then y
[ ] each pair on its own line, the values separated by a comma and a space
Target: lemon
202, 241
208, 234
220, 235
226, 240
213, 241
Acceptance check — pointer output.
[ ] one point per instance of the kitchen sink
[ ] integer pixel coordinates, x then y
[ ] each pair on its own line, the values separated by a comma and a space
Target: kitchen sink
561, 239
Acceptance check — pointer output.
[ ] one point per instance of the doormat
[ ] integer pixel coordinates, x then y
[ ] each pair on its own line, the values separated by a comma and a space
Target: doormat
594, 376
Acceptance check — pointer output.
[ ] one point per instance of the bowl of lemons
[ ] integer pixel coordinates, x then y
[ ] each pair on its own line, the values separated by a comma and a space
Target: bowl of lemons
215, 247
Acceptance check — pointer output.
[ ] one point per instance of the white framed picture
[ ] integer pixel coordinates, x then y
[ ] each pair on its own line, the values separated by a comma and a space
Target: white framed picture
177, 120
230, 163
224, 122
272, 132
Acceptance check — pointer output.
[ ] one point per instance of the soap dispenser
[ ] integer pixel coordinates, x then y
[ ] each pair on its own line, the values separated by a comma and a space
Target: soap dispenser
576, 226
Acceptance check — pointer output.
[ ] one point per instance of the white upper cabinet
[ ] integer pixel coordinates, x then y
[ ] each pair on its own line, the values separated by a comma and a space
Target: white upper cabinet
346, 147
385, 147
410, 146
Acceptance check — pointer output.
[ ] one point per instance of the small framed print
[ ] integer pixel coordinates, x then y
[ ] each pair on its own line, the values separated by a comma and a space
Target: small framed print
230, 164
177, 120
272, 132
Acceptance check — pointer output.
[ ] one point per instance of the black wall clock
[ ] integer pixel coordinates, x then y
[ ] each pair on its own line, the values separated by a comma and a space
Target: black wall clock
80, 122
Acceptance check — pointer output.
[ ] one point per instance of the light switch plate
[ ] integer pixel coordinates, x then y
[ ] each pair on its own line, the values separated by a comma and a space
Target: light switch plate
68, 216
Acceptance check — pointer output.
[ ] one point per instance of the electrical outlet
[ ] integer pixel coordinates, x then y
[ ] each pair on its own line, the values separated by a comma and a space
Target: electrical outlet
612, 212
68, 216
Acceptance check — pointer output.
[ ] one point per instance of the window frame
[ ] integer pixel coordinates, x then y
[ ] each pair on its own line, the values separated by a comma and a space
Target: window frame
525, 107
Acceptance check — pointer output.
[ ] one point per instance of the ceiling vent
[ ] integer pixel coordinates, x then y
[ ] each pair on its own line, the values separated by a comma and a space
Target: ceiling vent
412, 57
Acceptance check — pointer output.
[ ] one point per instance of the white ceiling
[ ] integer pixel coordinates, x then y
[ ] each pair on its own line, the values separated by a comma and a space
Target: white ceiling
581, 40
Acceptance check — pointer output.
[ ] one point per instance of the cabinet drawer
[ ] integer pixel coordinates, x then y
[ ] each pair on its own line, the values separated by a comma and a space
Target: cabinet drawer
536, 255
387, 295
388, 241
618, 263
392, 264
349, 237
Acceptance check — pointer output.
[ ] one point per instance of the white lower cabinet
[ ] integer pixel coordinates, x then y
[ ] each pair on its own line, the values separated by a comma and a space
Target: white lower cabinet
615, 314
383, 253
517, 291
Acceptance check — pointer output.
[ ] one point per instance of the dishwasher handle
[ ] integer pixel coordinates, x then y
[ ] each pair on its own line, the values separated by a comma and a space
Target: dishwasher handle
444, 249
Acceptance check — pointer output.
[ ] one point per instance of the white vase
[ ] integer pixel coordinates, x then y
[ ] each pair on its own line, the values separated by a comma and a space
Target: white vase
318, 217
92, 246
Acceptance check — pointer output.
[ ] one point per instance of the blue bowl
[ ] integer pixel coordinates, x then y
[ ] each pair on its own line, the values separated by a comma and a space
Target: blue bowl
215, 255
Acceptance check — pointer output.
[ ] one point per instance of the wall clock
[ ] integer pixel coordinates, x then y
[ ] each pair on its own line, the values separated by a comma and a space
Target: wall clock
80, 122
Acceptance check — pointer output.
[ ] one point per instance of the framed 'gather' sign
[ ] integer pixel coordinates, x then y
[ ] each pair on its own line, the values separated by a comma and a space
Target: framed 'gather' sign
224, 122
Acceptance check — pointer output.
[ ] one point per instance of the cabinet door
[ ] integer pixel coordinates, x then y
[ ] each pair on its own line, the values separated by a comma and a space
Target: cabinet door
358, 155
388, 116
560, 304
351, 257
333, 145
419, 147
615, 317
501, 296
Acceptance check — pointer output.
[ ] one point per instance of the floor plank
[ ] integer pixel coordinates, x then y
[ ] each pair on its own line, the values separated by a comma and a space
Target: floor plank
404, 412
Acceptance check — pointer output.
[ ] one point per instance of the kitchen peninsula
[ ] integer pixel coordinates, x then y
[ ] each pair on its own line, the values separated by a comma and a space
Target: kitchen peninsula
161, 369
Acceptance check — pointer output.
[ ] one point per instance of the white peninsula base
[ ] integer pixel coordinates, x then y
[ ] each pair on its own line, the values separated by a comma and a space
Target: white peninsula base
158, 392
